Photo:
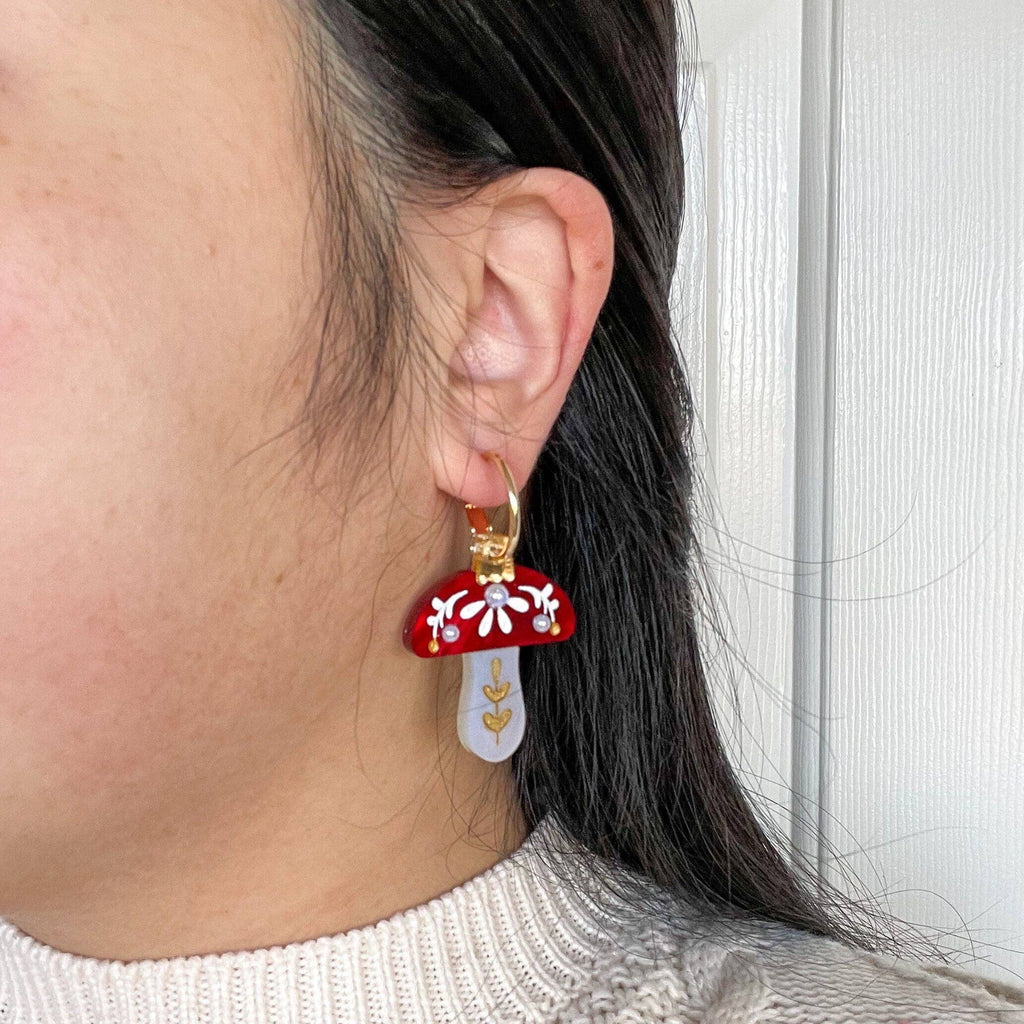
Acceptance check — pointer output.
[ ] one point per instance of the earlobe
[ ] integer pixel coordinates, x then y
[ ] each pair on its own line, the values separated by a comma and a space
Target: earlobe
538, 276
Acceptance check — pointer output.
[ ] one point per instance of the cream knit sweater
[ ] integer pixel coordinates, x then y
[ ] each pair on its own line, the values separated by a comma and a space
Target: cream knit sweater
513, 944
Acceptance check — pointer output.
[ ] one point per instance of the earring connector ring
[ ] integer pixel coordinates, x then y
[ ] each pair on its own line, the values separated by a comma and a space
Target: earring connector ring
492, 552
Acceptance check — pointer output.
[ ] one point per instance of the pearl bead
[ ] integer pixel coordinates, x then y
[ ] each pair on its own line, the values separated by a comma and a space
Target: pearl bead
541, 623
450, 633
496, 595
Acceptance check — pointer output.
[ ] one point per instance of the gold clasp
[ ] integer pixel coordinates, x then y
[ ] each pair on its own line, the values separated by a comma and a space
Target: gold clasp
492, 552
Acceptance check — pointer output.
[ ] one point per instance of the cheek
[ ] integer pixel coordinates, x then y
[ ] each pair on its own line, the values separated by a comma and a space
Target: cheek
152, 273
123, 533
100, 590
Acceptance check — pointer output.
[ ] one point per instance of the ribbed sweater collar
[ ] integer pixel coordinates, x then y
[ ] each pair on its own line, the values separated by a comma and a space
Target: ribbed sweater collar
512, 943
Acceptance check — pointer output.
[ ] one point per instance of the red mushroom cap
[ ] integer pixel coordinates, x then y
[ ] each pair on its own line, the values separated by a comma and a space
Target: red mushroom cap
459, 615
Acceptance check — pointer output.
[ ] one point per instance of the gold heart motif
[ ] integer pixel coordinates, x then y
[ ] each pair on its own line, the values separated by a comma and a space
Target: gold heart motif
497, 722
497, 695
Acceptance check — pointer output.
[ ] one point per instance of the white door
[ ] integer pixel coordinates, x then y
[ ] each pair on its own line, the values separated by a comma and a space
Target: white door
851, 307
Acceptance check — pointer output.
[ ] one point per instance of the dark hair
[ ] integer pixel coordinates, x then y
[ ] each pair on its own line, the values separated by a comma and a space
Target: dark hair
434, 99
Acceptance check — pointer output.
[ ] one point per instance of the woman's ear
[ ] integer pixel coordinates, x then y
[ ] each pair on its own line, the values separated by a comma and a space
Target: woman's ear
534, 262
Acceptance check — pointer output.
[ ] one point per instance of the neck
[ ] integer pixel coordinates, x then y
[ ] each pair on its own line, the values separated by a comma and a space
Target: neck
527, 939
341, 833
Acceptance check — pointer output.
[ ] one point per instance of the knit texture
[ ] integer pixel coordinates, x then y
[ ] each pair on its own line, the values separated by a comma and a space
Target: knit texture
532, 939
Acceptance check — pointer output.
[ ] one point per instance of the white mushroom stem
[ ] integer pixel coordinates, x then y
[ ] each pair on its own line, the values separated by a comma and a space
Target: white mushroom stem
488, 727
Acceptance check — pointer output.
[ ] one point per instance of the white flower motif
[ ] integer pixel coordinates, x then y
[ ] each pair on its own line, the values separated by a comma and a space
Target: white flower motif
492, 615
444, 609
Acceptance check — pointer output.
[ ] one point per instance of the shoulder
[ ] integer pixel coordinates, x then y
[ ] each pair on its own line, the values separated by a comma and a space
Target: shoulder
756, 971
808, 978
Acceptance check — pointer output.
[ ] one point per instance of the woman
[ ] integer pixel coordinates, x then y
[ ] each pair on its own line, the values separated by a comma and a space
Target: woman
276, 277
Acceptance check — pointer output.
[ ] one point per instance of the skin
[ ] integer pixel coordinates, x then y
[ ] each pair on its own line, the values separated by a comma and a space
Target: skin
211, 736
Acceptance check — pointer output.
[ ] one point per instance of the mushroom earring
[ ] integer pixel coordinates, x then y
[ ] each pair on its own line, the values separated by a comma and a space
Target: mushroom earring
486, 613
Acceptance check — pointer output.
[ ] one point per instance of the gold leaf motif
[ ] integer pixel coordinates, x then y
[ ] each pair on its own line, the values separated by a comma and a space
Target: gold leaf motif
497, 695
497, 722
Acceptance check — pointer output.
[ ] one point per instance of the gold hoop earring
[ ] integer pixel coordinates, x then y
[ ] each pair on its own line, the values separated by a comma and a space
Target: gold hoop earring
492, 552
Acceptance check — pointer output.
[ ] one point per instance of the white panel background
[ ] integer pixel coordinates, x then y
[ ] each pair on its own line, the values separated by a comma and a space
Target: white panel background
850, 298
737, 284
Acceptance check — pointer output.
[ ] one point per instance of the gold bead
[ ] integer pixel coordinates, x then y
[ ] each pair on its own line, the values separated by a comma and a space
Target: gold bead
555, 629
433, 646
